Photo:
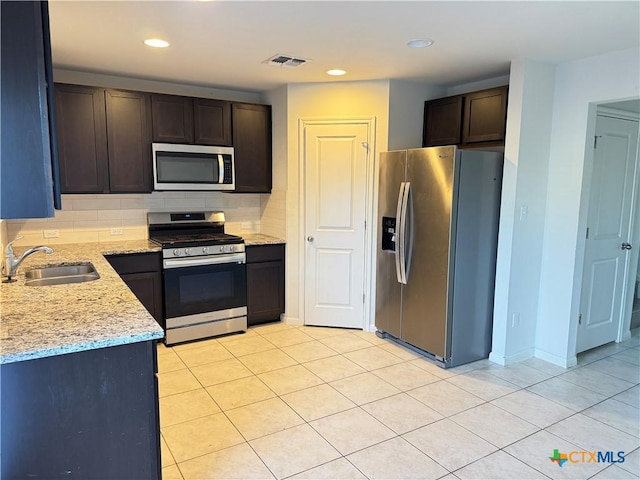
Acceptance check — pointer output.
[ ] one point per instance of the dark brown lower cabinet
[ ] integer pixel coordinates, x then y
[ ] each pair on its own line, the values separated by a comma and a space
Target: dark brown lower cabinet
142, 272
265, 283
89, 415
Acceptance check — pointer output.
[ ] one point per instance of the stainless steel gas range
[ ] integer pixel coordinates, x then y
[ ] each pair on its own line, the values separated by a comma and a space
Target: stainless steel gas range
204, 275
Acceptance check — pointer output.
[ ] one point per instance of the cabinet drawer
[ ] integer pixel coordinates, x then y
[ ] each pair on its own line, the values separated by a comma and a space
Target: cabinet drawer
265, 253
135, 263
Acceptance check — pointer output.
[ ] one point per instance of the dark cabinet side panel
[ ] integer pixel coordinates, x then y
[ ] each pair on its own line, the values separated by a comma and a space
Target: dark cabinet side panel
172, 120
82, 139
129, 140
485, 116
212, 122
147, 287
442, 121
252, 147
265, 283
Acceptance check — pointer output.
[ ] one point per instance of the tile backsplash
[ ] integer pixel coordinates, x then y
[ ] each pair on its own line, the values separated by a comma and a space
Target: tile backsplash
108, 218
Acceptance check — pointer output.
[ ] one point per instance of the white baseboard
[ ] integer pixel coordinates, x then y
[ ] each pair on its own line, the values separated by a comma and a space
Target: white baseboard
511, 359
556, 360
291, 320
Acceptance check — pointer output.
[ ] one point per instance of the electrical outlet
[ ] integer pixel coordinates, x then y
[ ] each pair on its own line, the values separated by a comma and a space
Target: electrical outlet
245, 225
116, 231
524, 213
50, 233
515, 320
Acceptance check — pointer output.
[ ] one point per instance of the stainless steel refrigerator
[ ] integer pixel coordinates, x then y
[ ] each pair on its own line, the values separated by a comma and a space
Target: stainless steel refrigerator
436, 253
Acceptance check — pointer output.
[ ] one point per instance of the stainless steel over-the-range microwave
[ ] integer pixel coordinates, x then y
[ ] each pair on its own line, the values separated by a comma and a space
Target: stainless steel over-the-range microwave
192, 167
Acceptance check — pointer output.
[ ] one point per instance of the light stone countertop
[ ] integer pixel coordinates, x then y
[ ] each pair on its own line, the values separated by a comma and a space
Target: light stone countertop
260, 239
37, 322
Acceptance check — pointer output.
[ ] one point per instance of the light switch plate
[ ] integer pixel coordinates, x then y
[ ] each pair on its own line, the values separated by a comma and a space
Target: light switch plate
50, 233
116, 231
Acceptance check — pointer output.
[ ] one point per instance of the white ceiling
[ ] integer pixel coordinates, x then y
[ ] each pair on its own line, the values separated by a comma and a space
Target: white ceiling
222, 43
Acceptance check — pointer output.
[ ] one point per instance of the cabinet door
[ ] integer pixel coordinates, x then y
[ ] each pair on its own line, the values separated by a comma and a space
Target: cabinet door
26, 183
212, 122
129, 140
147, 287
265, 292
442, 121
252, 147
82, 139
485, 116
172, 120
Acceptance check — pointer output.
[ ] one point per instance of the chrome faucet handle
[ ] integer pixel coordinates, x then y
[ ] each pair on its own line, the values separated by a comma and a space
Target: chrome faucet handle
9, 247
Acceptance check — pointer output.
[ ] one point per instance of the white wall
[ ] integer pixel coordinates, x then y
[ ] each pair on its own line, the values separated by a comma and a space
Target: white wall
522, 213
479, 85
579, 86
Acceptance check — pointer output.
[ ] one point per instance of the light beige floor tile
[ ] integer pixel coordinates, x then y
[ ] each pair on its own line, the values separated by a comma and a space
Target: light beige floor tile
405, 376
170, 362
264, 418
294, 450
364, 388
373, 358
614, 472
161, 348
171, 473
481, 364
197, 344
451, 476
186, 406
399, 351
587, 377
334, 368
634, 341
591, 434
402, 413
238, 463
352, 430
445, 398
495, 425
518, 374
630, 397
323, 332
609, 348
546, 367
427, 365
238, 393
178, 381
533, 408
449, 444
337, 469
285, 338
590, 356
371, 337
396, 458
617, 368
317, 402
537, 449
166, 458
201, 436
566, 393
347, 342
248, 345
631, 355
616, 414
220, 372
267, 361
289, 379
236, 336
308, 351
484, 385
632, 462
273, 327
498, 466
206, 354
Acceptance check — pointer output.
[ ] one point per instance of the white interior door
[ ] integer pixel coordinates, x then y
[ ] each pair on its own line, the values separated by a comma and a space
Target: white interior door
335, 162
609, 231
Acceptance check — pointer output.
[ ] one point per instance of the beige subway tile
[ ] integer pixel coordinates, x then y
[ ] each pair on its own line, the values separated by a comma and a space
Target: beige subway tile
104, 203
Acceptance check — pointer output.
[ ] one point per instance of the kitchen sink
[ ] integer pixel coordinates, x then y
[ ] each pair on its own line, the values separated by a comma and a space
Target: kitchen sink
61, 274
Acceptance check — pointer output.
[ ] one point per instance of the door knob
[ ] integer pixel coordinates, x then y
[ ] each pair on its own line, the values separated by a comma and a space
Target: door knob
626, 246
309, 239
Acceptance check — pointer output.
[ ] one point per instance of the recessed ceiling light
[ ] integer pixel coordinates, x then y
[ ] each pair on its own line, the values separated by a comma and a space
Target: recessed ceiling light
156, 42
336, 71
420, 43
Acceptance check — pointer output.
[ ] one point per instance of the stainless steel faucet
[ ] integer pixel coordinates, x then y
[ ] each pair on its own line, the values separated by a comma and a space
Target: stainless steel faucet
11, 263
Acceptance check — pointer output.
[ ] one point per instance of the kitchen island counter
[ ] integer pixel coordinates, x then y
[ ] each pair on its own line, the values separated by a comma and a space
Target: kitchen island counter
39, 322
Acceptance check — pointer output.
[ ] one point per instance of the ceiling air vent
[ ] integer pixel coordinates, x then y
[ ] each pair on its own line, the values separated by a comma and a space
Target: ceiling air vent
288, 61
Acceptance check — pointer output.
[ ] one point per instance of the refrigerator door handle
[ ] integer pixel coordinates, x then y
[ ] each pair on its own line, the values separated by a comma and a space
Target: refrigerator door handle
399, 253
402, 240
408, 236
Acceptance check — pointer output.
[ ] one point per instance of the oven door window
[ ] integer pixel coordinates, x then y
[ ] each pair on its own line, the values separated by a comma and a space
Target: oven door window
193, 290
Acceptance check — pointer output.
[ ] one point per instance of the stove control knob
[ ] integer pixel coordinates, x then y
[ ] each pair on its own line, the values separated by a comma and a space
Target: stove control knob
177, 252
187, 251
205, 250
232, 248
221, 248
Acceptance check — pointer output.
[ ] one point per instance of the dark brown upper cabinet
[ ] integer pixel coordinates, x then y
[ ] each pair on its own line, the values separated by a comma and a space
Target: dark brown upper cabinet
104, 140
252, 147
191, 120
476, 118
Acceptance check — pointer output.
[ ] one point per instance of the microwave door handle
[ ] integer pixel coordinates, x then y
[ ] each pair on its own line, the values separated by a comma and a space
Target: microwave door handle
220, 168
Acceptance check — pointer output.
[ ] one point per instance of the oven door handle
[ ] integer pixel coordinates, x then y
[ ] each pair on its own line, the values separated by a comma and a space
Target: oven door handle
194, 262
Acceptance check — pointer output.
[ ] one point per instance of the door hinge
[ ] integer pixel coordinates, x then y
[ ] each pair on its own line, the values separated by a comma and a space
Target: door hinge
365, 225
363, 297
587, 232
580, 319
595, 141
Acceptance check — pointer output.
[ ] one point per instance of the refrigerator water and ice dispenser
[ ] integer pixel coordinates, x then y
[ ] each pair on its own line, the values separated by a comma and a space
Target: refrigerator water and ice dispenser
389, 234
